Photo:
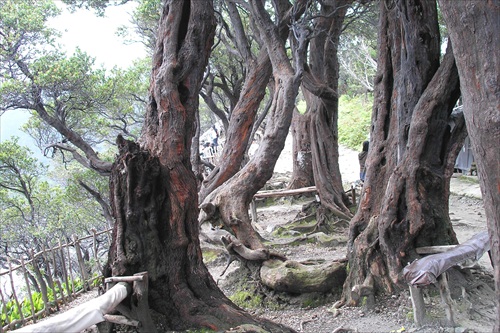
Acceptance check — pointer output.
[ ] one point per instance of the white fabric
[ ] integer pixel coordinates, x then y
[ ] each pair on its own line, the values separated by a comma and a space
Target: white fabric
83, 316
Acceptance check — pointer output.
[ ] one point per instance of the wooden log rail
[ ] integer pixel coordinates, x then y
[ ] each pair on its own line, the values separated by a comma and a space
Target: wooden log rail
50, 271
284, 193
100, 309
432, 270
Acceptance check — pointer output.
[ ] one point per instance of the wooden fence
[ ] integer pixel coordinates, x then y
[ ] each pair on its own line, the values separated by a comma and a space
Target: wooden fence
51, 277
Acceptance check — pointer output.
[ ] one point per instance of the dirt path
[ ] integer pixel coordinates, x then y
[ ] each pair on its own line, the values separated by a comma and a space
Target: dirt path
473, 295
392, 313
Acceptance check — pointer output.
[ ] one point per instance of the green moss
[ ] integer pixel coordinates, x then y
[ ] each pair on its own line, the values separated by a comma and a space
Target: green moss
469, 179
311, 303
209, 256
282, 232
246, 299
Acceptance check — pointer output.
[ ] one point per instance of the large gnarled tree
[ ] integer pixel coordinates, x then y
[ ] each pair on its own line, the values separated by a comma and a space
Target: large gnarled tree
413, 147
154, 191
321, 93
473, 27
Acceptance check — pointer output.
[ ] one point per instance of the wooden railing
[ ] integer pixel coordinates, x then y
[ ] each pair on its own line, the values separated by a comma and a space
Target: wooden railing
104, 308
57, 275
432, 268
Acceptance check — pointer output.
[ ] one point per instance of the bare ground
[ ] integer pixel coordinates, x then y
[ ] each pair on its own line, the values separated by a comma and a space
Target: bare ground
472, 289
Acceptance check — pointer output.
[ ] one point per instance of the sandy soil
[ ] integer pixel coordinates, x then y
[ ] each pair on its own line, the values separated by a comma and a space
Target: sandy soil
472, 289
472, 293
392, 313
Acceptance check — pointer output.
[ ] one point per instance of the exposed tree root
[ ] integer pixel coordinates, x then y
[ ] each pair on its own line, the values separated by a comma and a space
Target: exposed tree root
235, 247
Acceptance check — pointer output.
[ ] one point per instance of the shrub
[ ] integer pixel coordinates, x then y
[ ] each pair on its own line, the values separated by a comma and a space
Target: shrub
354, 120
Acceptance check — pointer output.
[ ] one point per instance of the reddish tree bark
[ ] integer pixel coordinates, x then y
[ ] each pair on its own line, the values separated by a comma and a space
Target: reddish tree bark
302, 174
413, 147
321, 85
473, 28
232, 199
240, 124
153, 189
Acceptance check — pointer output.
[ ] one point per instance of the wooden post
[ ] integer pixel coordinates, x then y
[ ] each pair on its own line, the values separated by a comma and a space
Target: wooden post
65, 271
41, 282
81, 263
253, 209
61, 289
140, 305
49, 278
70, 269
96, 257
417, 302
353, 192
446, 297
14, 292
28, 289
108, 237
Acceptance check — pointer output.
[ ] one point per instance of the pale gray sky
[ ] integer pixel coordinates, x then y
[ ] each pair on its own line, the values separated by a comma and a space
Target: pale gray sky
97, 35
94, 35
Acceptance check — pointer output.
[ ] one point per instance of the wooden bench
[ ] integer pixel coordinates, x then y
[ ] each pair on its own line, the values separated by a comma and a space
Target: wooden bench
432, 269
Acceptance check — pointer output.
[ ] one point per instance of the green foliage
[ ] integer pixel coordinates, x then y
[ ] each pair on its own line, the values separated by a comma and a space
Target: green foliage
69, 97
358, 49
354, 120
99, 6
145, 18
23, 25
302, 106
11, 312
32, 210
91, 102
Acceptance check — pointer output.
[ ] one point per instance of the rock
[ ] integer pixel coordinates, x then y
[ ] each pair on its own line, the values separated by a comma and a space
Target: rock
295, 277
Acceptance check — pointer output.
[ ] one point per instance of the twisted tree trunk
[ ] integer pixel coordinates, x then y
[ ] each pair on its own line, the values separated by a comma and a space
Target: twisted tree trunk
302, 174
413, 146
473, 28
154, 191
321, 84
231, 201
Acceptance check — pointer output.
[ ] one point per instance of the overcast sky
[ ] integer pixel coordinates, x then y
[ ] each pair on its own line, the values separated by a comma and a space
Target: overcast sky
97, 35
94, 35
